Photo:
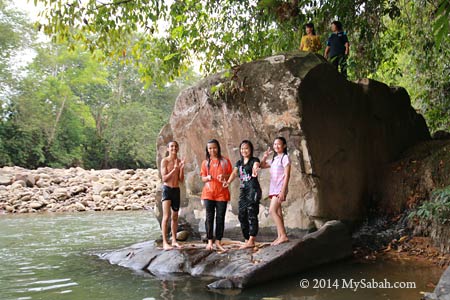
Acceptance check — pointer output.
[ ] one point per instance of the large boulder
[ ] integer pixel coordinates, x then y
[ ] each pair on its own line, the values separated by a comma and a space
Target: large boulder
239, 268
339, 134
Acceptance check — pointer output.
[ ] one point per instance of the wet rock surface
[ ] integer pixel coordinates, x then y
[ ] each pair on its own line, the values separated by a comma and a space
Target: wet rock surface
442, 290
239, 268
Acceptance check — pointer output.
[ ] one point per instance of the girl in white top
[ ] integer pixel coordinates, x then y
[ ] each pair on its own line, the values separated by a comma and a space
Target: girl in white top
280, 171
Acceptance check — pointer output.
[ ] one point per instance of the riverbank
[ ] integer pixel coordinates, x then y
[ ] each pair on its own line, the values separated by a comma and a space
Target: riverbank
79, 190
394, 239
76, 189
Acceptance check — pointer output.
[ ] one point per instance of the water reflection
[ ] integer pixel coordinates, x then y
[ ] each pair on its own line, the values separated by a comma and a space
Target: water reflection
167, 289
54, 257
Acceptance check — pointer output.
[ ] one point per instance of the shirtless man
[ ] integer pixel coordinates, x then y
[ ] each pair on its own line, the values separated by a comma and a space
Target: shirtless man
172, 171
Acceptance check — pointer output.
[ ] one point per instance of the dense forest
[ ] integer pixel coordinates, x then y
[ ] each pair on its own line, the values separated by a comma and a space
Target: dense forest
96, 93
68, 108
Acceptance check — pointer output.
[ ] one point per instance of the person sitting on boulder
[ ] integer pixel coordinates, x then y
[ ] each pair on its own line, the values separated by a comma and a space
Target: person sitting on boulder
280, 172
172, 172
250, 192
215, 171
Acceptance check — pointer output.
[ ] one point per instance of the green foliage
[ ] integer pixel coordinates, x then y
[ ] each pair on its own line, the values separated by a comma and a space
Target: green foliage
69, 109
442, 24
436, 210
15, 35
412, 58
402, 42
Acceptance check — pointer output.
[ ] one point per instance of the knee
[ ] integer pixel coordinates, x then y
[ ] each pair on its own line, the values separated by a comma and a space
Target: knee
165, 218
272, 211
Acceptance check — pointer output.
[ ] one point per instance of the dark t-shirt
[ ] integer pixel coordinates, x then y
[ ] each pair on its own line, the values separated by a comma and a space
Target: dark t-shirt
337, 42
245, 173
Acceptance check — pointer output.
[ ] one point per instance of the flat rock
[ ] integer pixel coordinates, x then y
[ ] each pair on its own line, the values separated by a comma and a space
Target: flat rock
442, 290
239, 268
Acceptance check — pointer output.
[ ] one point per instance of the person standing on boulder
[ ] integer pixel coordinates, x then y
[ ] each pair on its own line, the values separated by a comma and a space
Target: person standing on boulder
338, 48
215, 171
250, 192
172, 172
280, 172
310, 41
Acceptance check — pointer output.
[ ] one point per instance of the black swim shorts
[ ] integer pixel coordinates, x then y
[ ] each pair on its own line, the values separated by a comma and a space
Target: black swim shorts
172, 194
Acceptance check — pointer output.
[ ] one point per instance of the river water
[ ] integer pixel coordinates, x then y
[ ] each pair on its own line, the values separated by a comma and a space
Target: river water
54, 256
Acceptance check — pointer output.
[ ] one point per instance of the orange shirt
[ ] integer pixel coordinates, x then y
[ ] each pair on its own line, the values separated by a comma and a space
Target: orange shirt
213, 189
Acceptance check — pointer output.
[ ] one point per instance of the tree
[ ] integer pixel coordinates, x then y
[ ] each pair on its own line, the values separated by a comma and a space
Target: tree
219, 33
15, 35
412, 57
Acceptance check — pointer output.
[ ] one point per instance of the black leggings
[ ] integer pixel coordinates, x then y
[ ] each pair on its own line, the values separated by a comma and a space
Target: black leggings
211, 208
248, 211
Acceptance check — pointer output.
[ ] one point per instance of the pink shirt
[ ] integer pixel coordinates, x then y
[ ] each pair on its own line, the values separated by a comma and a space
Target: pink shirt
277, 167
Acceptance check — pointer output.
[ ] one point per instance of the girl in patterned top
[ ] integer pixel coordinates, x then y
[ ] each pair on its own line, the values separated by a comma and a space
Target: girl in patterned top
310, 41
250, 192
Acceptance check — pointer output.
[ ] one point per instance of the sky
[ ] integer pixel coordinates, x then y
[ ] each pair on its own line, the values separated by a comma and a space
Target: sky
28, 7
25, 56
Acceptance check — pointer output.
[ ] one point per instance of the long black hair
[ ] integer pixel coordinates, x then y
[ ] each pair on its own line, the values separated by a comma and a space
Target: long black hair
285, 152
219, 152
250, 145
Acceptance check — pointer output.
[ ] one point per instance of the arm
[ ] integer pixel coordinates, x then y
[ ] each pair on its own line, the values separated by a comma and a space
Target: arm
181, 174
263, 164
347, 48
287, 175
233, 175
166, 176
203, 173
256, 168
206, 178
327, 51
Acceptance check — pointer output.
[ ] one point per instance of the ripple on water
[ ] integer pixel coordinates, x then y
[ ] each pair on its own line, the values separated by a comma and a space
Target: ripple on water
51, 287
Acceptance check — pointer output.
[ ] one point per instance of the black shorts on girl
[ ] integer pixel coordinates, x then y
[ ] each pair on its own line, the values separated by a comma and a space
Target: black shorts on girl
172, 194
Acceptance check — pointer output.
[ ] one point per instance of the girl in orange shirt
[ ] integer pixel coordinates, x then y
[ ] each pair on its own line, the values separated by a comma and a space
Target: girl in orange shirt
215, 171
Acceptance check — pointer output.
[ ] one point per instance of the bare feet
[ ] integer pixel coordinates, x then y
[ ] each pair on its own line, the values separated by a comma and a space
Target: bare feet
274, 241
247, 245
250, 243
176, 245
219, 246
209, 247
280, 240
166, 246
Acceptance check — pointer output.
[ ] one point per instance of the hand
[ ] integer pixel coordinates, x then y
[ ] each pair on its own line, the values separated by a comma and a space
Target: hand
267, 153
255, 172
208, 178
281, 197
181, 164
225, 184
